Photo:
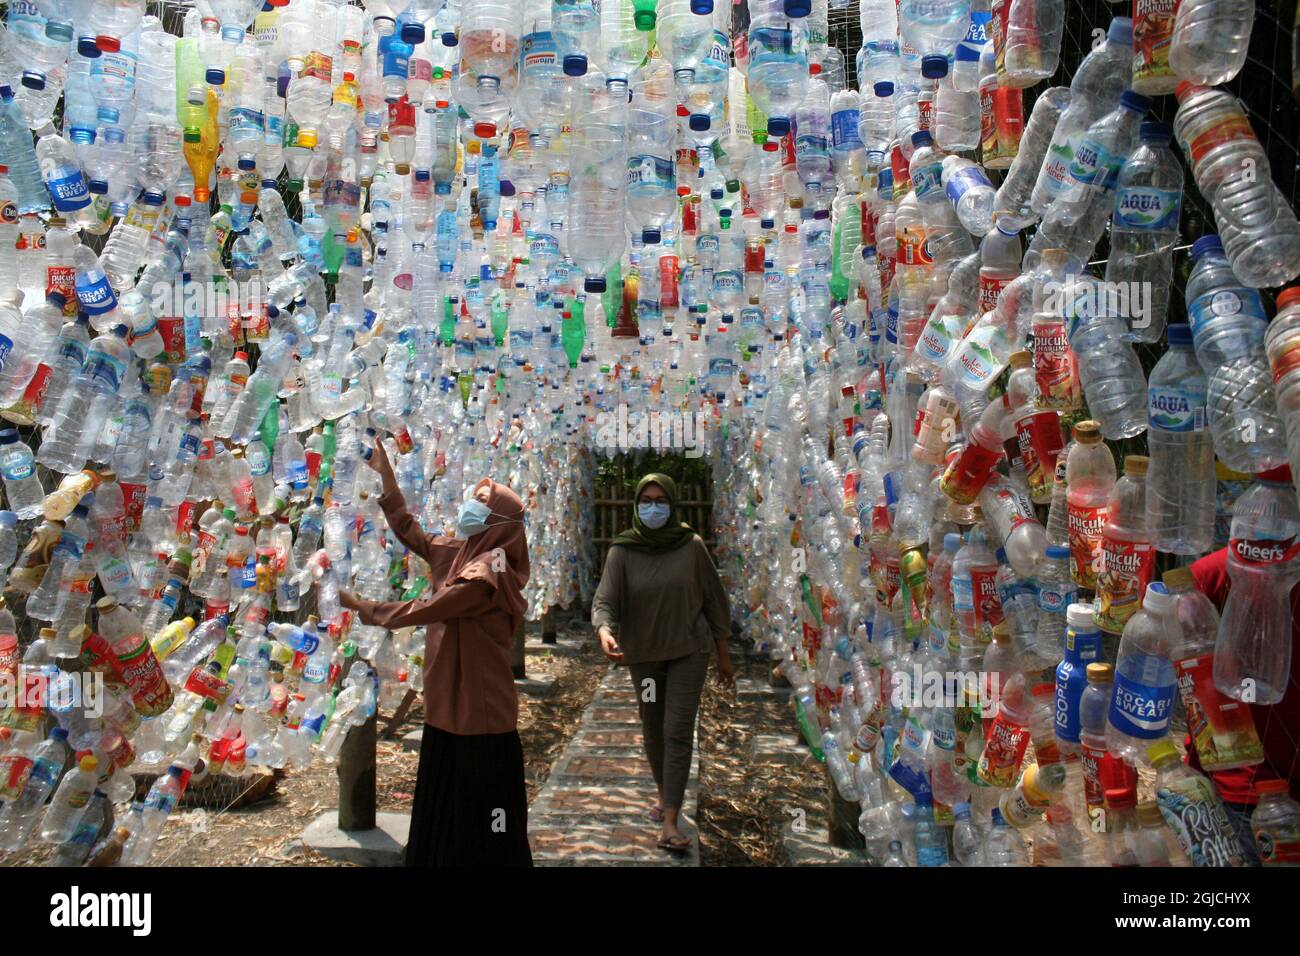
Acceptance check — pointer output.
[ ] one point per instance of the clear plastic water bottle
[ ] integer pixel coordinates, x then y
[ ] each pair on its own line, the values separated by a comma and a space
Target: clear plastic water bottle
933, 28
956, 110
1144, 228
878, 56
1113, 382
1253, 655
1032, 46
778, 68
1097, 84
1180, 479
1078, 217
968, 188
1210, 39
1012, 200
23, 489
1227, 319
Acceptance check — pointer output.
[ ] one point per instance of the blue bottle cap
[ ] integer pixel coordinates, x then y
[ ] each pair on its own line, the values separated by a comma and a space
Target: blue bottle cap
952, 542
778, 126
1057, 552
934, 66
884, 88
1135, 101
1206, 245
701, 8
575, 64
412, 33
795, 8
1120, 31
699, 122
1156, 132
921, 138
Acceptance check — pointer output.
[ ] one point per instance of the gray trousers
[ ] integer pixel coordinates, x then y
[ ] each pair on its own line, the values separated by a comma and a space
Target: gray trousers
668, 697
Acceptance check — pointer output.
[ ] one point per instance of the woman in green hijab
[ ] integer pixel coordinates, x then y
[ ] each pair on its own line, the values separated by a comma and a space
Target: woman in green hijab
660, 609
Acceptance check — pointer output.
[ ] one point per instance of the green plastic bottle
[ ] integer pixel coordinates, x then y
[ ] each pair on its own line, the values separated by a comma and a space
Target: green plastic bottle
643, 15
447, 328
500, 317
574, 331
612, 298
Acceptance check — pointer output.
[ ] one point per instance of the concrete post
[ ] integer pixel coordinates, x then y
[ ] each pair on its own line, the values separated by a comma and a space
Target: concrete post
357, 777
517, 655
842, 819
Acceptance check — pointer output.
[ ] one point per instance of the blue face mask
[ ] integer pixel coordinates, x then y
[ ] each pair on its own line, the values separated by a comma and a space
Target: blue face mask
472, 518
654, 514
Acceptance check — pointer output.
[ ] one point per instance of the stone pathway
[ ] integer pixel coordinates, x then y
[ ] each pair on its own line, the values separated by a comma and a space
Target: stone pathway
594, 807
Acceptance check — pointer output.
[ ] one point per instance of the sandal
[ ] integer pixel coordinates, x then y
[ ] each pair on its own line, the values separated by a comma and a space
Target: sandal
657, 814
677, 844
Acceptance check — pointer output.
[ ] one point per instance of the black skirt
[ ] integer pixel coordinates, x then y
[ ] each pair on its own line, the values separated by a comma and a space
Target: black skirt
471, 804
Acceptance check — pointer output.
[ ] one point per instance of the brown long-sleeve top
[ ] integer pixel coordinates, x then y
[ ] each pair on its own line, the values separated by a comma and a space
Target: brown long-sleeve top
662, 606
468, 685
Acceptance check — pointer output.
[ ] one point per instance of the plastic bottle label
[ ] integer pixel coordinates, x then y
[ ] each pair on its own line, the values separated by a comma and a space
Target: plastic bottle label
1040, 441
537, 50
844, 130
1093, 167
650, 174
1148, 209
1199, 142
1279, 843
978, 363
1193, 810
937, 338
1126, 569
69, 192
927, 179
977, 32
96, 298
1081, 648
960, 182
1176, 409
811, 146
1234, 301
1005, 748
1264, 551
1153, 28
1141, 710
988, 609
1221, 728
1057, 169
1085, 529
20, 468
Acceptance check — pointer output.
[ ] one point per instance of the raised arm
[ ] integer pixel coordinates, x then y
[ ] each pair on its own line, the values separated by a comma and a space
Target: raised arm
437, 550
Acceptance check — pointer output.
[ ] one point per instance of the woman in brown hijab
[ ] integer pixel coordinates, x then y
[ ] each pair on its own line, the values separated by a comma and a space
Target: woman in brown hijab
471, 804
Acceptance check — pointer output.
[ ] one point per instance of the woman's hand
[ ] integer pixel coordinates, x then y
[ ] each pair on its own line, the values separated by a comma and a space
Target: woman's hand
609, 647
349, 600
379, 462
726, 670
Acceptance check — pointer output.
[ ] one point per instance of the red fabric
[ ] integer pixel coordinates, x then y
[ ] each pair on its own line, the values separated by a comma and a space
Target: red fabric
1278, 725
